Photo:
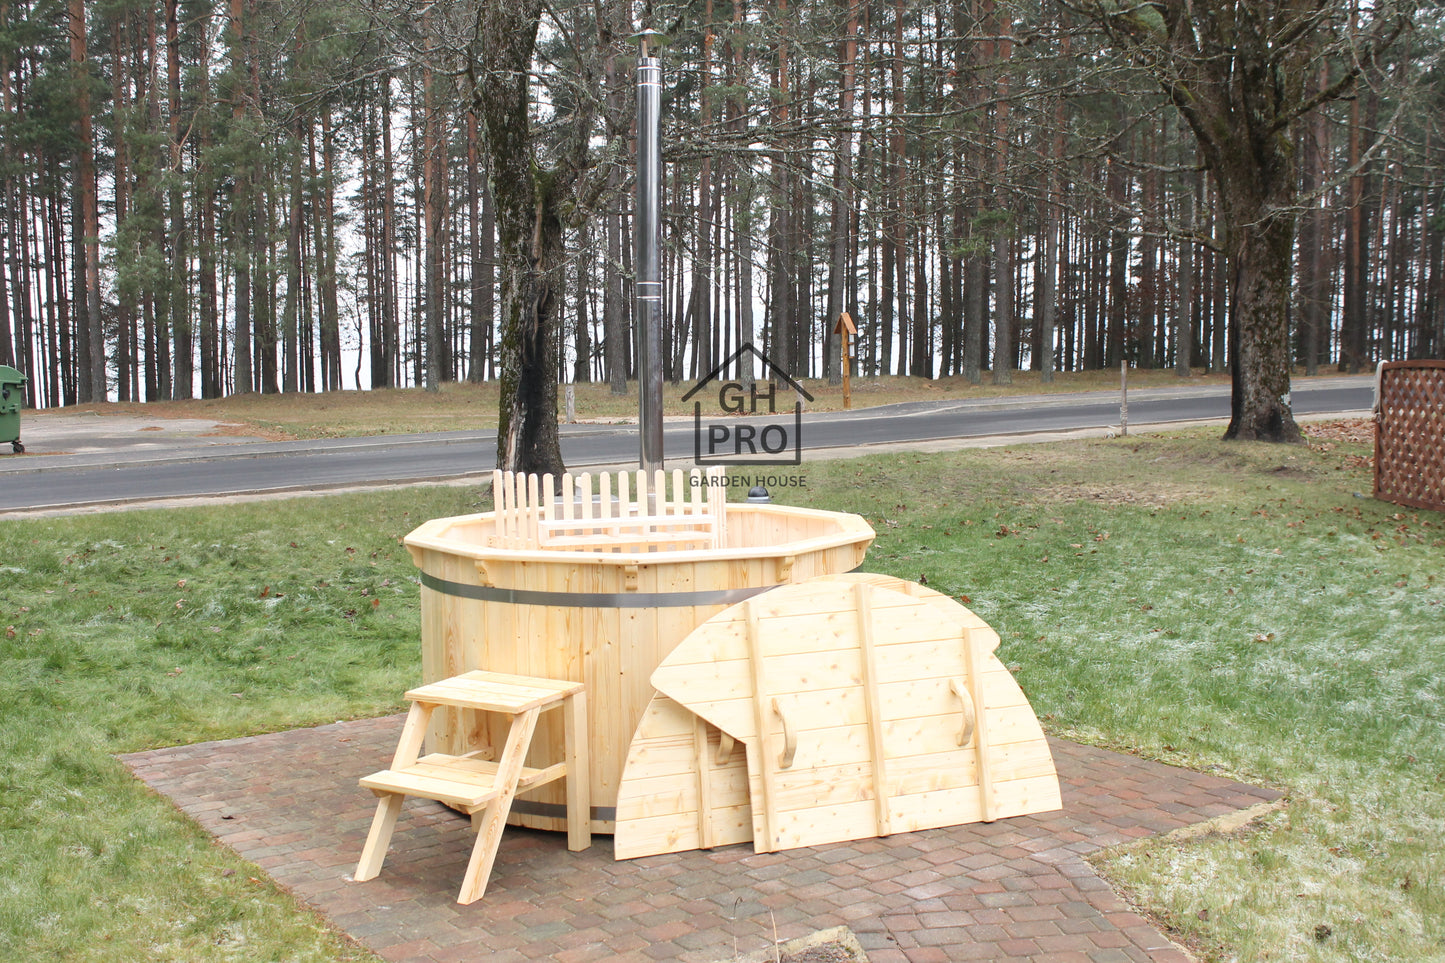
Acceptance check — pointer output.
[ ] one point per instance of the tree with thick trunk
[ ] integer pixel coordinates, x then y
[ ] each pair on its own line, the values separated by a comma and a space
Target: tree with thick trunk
537, 193
1240, 72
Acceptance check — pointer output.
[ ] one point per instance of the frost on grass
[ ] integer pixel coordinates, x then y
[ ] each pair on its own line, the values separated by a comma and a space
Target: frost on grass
1316, 882
1153, 494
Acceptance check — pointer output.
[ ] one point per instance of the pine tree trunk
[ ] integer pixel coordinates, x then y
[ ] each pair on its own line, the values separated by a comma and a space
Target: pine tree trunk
868, 164
1096, 274
838, 277
92, 381
1003, 240
1067, 354
799, 260
8, 255
290, 342
53, 232
582, 336
746, 334
476, 361
212, 382
616, 346
1357, 261
1118, 347
390, 346
204, 200
1048, 279
1003, 329
263, 286
241, 208
702, 263
780, 230
920, 360
183, 383
1148, 343
434, 191
1049, 286
1314, 237
7, 345
897, 203
330, 309
1433, 265
1219, 295
127, 248
1184, 309
975, 315
614, 316
158, 339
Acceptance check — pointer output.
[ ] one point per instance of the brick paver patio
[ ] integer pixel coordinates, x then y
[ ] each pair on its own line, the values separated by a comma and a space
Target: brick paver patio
1011, 890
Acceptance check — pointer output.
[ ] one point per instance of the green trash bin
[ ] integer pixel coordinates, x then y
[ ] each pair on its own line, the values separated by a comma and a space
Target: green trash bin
12, 396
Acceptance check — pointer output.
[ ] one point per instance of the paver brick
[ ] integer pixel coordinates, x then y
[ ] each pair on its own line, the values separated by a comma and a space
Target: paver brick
887, 956
1013, 889
1110, 956
1033, 929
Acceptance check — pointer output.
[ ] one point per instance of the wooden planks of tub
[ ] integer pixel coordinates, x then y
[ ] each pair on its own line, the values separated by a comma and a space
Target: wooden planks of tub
598, 585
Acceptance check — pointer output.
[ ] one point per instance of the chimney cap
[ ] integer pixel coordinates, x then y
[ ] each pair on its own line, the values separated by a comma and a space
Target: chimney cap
649, 40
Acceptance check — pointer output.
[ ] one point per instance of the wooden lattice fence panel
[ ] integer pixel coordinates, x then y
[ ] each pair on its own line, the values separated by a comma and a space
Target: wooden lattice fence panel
1410, 434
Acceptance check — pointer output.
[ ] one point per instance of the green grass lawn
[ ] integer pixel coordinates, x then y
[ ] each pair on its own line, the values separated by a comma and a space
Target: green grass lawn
138, 629
1235, 608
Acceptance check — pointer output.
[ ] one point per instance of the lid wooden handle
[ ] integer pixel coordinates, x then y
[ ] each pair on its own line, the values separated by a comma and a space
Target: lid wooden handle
790, 738
960, 689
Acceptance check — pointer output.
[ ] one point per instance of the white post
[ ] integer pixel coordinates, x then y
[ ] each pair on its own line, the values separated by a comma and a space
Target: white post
1123, 399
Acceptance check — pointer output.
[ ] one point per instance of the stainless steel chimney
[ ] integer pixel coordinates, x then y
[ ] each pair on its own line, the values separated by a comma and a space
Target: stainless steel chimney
647, 294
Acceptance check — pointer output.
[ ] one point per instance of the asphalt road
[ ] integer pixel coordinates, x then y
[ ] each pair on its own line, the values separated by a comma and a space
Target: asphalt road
187, 466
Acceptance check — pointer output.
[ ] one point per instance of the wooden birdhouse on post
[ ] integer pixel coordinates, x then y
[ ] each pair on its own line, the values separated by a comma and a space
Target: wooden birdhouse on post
845, 328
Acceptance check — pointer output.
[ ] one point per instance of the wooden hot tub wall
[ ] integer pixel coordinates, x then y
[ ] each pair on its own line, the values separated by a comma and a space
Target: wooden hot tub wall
606, 619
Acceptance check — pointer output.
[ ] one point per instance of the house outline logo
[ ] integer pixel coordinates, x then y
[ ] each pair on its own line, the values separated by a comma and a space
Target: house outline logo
773, 438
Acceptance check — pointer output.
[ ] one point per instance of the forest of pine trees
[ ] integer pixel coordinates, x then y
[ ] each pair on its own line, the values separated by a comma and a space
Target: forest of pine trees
201, 198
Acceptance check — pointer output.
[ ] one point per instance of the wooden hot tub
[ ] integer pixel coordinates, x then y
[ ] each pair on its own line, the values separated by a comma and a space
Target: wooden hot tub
595, 608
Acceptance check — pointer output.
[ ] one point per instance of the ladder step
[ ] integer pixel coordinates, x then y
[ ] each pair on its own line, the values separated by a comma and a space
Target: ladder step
494, 692
459, 781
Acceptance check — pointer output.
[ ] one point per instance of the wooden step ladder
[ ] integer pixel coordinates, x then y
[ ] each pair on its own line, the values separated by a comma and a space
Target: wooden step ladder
480, 787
